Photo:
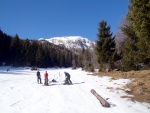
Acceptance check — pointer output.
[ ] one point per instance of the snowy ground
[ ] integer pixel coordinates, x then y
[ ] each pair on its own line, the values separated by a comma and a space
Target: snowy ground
20, 93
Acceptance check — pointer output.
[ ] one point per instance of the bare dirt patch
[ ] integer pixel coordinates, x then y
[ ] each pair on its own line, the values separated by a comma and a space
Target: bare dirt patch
139, 87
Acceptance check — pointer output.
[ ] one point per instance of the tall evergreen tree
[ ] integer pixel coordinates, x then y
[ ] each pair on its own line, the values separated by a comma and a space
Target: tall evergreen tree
74, 62
15, 49
87, 57
39, 56
46, 60
105, 45
4, 47
69, 59
129, 49
136, 50
61, 60
52, 57
33, 52
26, 52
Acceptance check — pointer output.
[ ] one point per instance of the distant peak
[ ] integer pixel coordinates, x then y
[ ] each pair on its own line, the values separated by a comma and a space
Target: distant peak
71, 41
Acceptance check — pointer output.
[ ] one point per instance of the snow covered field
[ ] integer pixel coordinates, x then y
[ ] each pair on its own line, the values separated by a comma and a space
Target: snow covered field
20, 93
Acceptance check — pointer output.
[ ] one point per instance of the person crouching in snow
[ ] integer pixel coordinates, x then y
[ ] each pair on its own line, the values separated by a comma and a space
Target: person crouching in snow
67, 81
46, 78
38, 77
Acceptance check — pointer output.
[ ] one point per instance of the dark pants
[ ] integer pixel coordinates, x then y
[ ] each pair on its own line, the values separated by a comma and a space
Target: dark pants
39, 80
68, 81
46, 81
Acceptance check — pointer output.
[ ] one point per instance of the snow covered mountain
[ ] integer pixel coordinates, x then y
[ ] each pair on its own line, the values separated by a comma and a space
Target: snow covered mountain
75, 42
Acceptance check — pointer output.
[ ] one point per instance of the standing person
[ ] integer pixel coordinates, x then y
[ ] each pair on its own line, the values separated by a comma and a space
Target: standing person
38, 77
67, 81
46, 78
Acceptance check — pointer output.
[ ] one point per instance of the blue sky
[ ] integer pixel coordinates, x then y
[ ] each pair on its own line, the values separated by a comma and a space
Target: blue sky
34, 19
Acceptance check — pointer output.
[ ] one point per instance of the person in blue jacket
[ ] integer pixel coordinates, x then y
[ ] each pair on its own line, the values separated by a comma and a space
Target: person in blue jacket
39, 77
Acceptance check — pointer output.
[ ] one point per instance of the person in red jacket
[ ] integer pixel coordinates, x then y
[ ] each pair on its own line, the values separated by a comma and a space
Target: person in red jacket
46, 78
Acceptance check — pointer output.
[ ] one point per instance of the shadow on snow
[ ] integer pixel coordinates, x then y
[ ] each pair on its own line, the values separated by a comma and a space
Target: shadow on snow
53, 84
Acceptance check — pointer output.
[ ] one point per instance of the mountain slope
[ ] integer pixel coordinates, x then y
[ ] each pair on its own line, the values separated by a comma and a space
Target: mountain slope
76, 42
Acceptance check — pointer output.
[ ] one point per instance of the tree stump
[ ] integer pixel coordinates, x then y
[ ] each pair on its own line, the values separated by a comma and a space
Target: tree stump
102, 101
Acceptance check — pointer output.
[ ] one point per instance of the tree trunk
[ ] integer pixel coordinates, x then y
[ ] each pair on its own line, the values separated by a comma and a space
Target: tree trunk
102, 101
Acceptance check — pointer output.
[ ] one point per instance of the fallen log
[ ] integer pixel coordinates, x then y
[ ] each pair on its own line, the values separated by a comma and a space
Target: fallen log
102, 101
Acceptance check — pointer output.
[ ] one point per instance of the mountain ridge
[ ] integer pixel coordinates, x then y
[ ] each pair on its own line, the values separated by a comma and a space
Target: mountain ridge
75, 42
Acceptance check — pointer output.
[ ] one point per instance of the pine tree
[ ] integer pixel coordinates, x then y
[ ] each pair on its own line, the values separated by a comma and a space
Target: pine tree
39, 56
105, 46
87, 58
130, 50
136, 50
15, 49
26, 52
52, 57
74, 61
61, 60
33, 52
67, 59
4, 47
46, 60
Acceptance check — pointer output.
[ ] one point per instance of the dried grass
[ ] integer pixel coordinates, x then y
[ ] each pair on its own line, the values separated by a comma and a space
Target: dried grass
140, 86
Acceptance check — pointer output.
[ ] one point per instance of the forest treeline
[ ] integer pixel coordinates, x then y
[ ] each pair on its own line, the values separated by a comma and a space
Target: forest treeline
15, 51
